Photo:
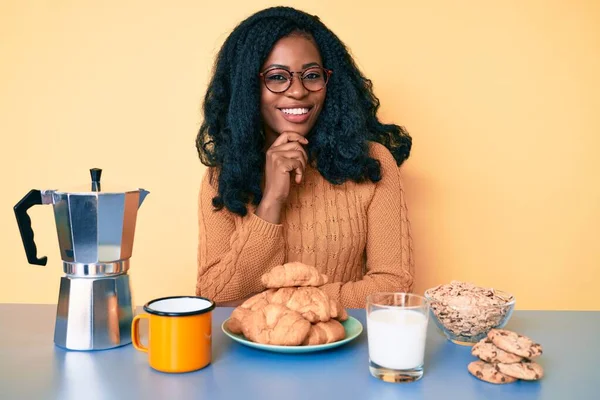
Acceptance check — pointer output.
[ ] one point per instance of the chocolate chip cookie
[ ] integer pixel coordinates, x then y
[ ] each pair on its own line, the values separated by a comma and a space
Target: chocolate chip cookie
488, 373
515, 343
489, 352
526, 370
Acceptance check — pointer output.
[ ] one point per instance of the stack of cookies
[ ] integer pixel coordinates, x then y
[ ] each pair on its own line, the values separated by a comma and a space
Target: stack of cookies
505, 357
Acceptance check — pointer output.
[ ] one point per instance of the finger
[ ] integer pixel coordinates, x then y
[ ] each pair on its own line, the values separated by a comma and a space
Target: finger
285, 137
295, 154
293, 165
288, 146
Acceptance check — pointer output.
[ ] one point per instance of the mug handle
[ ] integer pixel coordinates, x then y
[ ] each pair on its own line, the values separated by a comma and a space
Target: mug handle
135, 333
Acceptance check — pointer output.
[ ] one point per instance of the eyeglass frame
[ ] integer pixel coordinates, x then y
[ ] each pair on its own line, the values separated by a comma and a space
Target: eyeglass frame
291, 80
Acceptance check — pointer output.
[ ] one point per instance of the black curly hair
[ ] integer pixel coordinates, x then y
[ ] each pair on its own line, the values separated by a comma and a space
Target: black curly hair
231, 139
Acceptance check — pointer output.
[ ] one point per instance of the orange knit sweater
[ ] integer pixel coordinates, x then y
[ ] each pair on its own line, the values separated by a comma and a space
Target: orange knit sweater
357, 234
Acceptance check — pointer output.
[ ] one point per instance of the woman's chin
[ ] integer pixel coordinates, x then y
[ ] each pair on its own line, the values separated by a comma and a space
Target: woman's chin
301, 130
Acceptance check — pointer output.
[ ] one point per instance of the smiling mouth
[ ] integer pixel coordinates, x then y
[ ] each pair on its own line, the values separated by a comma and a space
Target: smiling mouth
295, 111
296, 115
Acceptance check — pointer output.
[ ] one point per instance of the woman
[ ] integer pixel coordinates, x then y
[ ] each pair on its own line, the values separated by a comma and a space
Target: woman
300, 168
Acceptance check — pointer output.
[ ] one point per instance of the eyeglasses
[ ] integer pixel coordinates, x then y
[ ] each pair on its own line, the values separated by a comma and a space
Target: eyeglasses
278, 80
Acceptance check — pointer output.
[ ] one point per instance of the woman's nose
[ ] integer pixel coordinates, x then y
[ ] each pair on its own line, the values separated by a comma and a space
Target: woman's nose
296, 89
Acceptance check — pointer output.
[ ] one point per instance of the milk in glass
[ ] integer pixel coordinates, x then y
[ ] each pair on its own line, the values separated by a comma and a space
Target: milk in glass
397, 338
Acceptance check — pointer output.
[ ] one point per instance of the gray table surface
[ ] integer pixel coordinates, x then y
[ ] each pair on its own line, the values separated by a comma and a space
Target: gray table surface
32, 367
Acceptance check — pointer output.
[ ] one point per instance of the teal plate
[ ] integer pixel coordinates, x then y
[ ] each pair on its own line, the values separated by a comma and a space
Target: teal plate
352, 326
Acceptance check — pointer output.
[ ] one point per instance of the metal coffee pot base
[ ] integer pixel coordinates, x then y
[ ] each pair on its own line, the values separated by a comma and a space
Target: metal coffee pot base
94, 313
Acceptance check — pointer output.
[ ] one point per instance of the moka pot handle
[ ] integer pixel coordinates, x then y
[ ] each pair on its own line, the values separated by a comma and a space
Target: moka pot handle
34, 197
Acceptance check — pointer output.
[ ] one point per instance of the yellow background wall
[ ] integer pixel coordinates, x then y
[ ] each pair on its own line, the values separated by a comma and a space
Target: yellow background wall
501, 99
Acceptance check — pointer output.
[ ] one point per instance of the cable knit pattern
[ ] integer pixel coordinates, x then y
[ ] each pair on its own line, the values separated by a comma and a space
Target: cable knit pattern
356, 233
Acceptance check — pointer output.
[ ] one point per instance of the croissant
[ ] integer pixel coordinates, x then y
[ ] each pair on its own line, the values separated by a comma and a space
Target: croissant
256, 302
312, 303
276, 324
337, 311
325, 332
293, 274
292, 311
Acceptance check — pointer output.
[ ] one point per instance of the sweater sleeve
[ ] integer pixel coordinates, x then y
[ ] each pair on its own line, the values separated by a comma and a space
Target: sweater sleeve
389, 256
233, 251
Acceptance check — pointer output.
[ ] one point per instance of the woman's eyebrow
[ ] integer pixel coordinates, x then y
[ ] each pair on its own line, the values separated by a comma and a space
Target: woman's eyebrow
312, 64
278, 66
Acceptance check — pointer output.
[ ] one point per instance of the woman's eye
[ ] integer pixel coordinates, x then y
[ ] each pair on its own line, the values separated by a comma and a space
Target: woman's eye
277, 77
312, 76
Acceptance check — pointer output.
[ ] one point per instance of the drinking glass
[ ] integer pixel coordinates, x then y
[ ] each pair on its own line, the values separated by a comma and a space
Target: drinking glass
397, 332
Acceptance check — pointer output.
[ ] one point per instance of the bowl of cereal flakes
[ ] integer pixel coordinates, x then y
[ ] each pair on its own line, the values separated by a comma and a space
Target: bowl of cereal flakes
465, 313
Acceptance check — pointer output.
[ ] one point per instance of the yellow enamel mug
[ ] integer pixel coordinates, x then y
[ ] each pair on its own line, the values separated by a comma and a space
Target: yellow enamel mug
179, 333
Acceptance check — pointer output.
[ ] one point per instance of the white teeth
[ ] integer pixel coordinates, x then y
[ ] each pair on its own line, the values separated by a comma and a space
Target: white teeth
295, 111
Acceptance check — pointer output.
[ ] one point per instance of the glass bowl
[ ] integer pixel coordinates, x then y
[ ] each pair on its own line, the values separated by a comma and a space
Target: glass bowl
468, 324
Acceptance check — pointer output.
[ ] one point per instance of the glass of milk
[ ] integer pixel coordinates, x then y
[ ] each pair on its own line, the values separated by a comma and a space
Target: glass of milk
397, 330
